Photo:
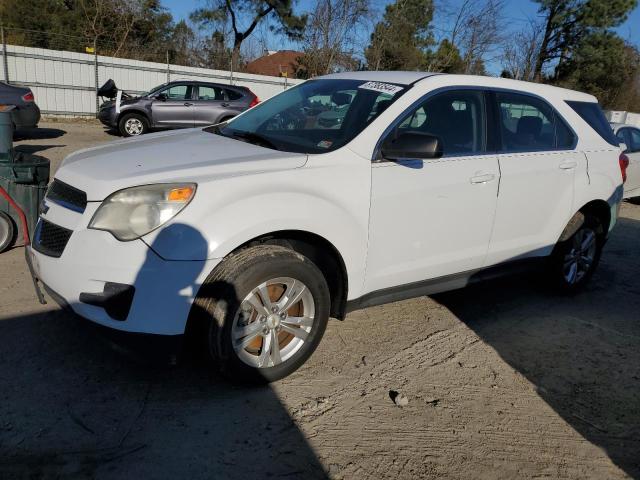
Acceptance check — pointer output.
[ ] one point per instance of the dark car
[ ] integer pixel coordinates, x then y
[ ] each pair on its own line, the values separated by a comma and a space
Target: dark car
179, 104
26, 114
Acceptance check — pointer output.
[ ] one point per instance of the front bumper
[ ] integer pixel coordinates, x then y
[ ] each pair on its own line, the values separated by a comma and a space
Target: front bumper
107, 117
27, 116
163, 291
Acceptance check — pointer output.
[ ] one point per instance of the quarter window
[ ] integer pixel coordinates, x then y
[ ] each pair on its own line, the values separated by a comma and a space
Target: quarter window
457, 117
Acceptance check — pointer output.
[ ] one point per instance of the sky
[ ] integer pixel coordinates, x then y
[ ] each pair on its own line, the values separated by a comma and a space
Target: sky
516, 15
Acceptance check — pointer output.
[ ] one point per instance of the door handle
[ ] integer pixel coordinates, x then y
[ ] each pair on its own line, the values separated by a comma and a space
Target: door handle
188, 104
484, 178
224, 104
568, 165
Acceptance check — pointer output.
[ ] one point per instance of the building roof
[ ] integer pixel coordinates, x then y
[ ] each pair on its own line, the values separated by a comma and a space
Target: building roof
275, 64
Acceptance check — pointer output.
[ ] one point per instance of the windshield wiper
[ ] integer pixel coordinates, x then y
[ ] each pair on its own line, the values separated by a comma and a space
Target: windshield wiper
256, 139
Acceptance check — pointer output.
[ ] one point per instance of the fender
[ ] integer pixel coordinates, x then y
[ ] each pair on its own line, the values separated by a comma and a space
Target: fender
231, 211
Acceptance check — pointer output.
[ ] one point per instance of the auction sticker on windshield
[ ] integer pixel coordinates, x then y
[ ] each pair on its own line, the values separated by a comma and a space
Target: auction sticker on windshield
381, 87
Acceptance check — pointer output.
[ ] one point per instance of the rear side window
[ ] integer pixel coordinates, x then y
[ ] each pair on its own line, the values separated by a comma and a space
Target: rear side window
210, 93
529, 124
592, 114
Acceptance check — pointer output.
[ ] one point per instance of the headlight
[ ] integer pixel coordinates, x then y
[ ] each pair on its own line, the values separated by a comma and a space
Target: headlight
133, 212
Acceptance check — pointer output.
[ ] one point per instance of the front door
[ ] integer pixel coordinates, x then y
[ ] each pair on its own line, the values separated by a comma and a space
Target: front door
173, 107
433, 218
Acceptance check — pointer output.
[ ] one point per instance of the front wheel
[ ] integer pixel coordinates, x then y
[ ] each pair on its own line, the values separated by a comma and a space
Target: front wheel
133, 124
575, 259
7, 232
265, 310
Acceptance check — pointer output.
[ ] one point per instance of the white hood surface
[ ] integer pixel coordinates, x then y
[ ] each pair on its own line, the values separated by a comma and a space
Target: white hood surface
175, 156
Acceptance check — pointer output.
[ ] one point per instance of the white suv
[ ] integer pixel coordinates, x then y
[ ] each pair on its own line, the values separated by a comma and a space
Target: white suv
347, 191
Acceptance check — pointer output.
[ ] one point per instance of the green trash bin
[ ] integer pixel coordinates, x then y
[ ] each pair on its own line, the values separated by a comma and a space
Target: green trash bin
24, 177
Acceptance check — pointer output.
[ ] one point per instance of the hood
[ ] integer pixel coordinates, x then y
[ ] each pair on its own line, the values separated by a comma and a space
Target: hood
175, 156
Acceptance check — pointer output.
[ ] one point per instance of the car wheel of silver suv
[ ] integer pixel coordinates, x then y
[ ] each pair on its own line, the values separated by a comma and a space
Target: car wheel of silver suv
265, 309
133, 124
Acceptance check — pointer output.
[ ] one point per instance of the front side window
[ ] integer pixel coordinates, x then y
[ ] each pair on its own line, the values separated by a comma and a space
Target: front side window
456, 117
178, 92
316, 116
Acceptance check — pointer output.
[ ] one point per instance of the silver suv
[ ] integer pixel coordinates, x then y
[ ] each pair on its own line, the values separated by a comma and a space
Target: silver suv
179, 104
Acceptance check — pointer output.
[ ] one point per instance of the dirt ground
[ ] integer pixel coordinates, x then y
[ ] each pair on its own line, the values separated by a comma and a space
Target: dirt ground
503, 380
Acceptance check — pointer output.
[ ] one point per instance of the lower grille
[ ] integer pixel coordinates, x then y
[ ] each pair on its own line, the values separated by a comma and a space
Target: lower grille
50, 239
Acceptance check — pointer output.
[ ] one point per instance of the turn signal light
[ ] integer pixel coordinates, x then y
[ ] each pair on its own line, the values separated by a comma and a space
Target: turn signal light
182, 194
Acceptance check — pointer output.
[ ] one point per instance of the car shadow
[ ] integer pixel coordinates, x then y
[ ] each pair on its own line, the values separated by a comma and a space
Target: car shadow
581, 352
32, 149
38, 133
72, 406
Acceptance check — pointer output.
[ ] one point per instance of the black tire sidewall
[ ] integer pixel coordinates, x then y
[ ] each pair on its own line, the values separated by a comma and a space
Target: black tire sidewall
4, 218
557, 258
285, 263
127, 116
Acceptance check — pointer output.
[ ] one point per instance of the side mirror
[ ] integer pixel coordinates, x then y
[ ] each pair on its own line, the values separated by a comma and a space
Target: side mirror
162, 97
412, 145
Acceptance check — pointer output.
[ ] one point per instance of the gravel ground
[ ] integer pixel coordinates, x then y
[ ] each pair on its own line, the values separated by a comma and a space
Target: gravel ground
502, 380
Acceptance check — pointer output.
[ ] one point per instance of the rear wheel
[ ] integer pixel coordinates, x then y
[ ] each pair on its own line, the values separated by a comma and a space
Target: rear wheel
7, 232
133, 124
575, 259
265, 310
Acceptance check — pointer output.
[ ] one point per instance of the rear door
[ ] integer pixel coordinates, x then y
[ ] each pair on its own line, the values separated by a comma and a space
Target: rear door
538, 166
209, 104
173, 107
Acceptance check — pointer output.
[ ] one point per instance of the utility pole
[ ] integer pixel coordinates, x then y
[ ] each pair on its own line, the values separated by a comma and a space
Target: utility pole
5, 61
168, 68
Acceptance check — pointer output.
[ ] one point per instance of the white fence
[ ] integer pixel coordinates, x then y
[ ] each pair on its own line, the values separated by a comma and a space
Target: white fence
64, 83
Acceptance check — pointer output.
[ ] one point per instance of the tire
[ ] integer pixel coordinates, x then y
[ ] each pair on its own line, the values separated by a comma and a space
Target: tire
7, 232
133, 124
230, 312
575, 259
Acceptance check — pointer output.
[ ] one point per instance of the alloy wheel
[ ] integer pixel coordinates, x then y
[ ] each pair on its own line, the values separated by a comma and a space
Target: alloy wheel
133, 126
273, 322
580, 259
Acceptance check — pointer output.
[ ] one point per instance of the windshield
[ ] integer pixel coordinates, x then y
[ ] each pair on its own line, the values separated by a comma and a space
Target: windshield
153, 90
317, 116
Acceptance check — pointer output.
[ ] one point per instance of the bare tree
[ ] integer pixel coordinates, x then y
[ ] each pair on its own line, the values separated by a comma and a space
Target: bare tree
521, 52
477, 32
330, 41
